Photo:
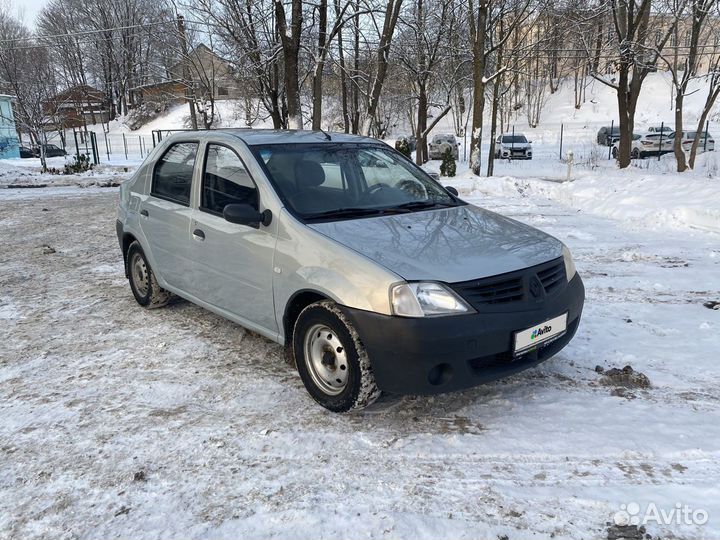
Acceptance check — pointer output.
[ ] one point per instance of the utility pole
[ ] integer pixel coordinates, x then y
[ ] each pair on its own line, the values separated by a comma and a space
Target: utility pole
187, 77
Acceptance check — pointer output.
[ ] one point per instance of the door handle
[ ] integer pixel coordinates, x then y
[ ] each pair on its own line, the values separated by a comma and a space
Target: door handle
198, 235
144, 213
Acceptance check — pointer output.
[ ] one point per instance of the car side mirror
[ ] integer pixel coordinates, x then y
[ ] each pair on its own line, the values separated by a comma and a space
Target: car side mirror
435, 176
529, 142
452, 190
245, 214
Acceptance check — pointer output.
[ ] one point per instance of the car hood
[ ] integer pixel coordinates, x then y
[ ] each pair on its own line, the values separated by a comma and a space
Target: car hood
450, 244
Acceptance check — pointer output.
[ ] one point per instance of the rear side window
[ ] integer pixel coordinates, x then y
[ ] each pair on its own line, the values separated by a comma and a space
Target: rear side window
226, 181
173, 173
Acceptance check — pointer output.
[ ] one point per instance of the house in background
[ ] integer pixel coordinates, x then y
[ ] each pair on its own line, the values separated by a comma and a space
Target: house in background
171, 91
77, 107
211, 75
9, 144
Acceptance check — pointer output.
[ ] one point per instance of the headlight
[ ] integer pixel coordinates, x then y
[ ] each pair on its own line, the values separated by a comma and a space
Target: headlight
569, 264
426, 300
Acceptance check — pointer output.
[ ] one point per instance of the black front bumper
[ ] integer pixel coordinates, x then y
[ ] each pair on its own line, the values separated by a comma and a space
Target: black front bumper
443, 354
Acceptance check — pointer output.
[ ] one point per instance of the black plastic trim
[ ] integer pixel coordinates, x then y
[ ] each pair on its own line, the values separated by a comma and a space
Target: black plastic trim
442, 354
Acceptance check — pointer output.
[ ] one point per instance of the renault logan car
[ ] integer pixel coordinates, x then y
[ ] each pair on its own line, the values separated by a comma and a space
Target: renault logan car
375, 276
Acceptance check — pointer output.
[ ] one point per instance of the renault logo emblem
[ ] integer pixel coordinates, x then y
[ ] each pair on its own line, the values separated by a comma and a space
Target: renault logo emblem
536, 288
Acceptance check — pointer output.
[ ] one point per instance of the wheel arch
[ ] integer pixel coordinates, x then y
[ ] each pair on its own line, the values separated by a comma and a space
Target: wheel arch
127, 240
295, 304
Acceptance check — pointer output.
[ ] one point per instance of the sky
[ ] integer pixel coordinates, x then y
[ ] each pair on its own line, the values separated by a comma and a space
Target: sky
27, 10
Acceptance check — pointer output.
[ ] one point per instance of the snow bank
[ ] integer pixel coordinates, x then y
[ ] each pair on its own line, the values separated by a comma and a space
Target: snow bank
639, 198
27, 173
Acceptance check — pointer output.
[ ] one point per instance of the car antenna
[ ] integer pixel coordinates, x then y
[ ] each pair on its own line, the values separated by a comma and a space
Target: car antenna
327, 135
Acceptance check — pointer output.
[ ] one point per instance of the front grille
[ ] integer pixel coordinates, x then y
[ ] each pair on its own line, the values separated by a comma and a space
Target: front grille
552, 277
494, 292
514, 287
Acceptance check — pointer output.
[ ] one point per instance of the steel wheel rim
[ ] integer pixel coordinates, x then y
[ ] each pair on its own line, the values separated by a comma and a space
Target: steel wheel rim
138, 270
326, 359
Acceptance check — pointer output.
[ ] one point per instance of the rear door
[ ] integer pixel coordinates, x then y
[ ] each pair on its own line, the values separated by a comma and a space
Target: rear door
165, 214
233, 263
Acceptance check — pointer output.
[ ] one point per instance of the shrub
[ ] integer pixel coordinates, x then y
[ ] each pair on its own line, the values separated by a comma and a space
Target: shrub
448, 165
80, 163
403, 146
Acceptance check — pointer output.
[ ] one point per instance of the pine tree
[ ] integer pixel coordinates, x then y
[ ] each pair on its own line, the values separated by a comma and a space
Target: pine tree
448, 166
403, 147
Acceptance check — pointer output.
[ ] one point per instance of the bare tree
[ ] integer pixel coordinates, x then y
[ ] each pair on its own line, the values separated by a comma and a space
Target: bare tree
713, 79
382, 56
26, 73
484, 24
633, 58
419, 51
290, 33
697, 13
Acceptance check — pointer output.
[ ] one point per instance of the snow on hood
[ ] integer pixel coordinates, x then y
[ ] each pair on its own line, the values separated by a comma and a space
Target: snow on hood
450, 244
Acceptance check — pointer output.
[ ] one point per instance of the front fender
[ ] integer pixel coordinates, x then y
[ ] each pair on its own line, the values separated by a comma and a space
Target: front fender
306, 260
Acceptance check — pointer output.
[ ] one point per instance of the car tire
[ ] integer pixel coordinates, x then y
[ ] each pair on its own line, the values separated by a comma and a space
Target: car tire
331, 359
143, 283
635, 153
615, 152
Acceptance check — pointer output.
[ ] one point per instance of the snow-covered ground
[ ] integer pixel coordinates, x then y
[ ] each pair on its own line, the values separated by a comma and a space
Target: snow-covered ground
174, 423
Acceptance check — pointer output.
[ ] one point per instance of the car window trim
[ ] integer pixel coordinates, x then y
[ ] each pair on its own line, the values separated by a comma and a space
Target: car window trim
202, 177
153, 193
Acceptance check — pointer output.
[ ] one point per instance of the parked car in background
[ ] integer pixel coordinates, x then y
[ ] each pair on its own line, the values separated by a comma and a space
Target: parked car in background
608, 135
373, 275
440, 143
665, 130
513, 147
704, 145
26, 152
51, 150
410, 139
635, 147
656, 142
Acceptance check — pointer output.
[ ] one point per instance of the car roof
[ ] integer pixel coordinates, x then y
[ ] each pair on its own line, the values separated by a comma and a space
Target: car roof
253, 137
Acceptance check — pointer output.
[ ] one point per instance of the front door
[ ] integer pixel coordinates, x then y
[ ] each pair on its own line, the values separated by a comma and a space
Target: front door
233, 263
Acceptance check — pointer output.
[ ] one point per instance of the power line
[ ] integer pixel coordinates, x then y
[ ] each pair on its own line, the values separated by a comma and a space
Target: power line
87, 32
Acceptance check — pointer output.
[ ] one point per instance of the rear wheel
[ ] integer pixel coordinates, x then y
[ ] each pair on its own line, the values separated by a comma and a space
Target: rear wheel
635, 153
331, 359
615, 152
143, 283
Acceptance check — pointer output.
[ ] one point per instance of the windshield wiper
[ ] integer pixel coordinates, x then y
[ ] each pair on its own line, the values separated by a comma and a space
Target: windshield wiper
418, 205
344, 212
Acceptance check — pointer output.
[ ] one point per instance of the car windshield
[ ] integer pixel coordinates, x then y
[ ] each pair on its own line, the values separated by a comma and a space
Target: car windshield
514, 139
343, 181
438, 139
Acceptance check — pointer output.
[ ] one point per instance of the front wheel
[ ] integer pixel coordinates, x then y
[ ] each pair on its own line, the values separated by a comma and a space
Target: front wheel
615, 152
331, 359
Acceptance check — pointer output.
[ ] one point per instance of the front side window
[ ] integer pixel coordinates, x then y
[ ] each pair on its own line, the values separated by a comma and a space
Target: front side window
172, 178
346, 181
225, 181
